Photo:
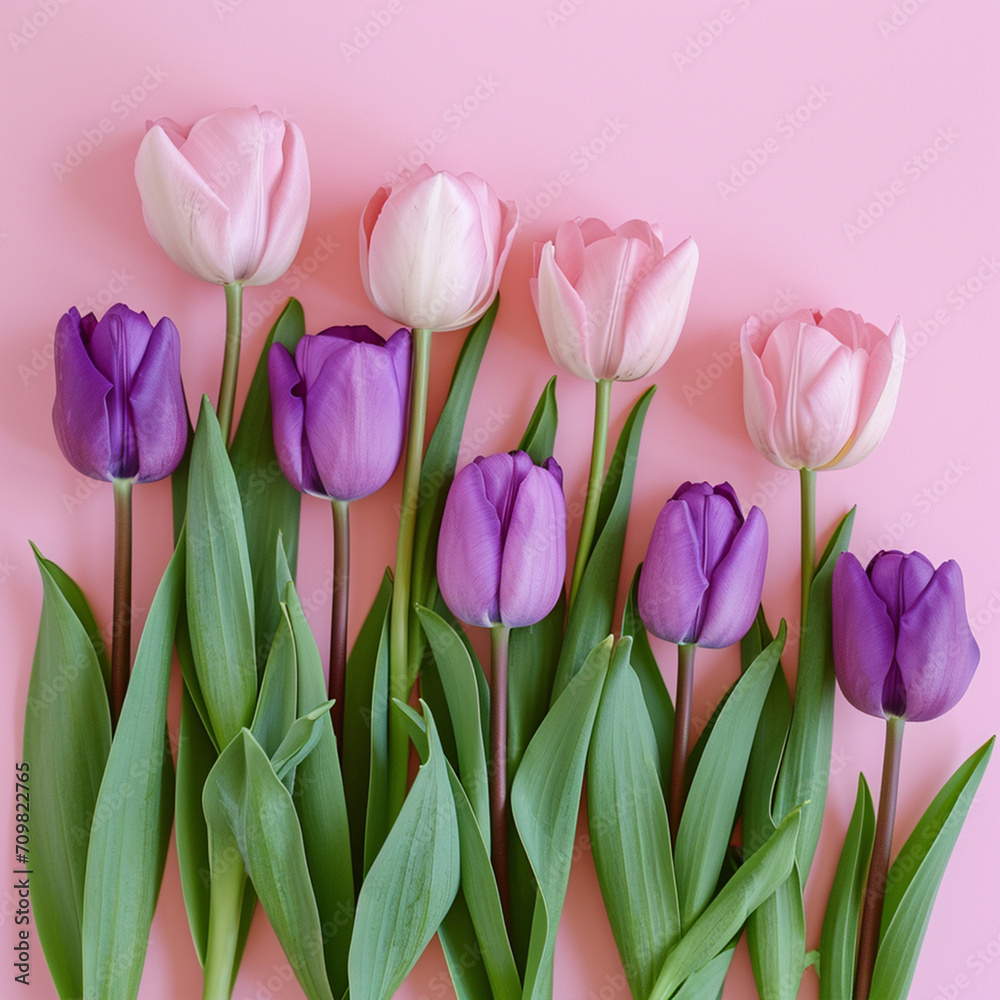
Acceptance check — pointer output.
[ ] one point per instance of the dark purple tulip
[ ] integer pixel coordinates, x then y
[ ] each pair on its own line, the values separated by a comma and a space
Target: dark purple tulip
119, 411
340, 410
704, 569
502, 550
902, 645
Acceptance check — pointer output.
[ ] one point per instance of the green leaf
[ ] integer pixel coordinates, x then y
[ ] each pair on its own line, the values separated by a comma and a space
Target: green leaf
839, 942
377, 822
776, 936
710, 809
271, 504
805, 766
915, 876
219, 587
590, 617
244, 800
540, 435
132, 817
708, 980
458, 679
713, 931
461, 951
545, 802
67, 738
629, 831
411, 885
276, 704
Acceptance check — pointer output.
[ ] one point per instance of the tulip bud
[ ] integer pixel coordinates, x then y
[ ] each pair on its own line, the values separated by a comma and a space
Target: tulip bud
433, 247
902, 646
227, 200
819, 391
611, 303
502, 549
119, 410
340, 410
704, 569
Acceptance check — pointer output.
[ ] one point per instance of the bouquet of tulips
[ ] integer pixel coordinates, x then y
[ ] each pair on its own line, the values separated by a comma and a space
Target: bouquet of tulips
289, 781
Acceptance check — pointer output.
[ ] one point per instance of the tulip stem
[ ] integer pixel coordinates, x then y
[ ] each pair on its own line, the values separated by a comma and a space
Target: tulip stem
807, 495
682, 733
231, 358
225, 906
121, 629
602, 410
499, 647
338, 614
871, 914
400, 681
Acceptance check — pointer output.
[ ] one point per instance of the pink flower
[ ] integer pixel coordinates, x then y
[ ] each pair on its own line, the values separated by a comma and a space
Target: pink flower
819, 391
228, 200
611, 303
433, 247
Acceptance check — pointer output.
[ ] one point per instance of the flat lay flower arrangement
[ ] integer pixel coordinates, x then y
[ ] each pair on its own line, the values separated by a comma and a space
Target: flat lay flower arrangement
398, 788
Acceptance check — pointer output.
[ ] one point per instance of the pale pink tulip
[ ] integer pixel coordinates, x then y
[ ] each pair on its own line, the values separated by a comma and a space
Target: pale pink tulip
819, 391
433, 247
228, 200
610, 302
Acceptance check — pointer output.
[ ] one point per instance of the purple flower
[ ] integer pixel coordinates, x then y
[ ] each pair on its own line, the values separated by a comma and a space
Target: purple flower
704, 569
119, 411
340, 410
902, 645
502, 550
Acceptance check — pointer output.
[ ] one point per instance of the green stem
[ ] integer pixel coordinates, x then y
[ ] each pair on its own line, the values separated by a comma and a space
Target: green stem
682, 733
121, 632
231, 358
807, 495
602, 409
225, 907
400, 679
338, 614
871, 914
499, 648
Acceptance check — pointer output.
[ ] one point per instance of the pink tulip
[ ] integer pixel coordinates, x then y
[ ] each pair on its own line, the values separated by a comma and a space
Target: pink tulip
433, 247
819, 391
611, 303
228, 200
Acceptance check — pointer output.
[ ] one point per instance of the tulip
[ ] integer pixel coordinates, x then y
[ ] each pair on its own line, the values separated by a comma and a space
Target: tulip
819, 391
119, 415
227, 200
339, 409
700, 585
611, 302
433, 248
902, 651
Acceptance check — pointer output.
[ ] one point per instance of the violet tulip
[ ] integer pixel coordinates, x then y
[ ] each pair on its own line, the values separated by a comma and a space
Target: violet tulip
819, 390
433, 248
902, 643
340, 410
611, 302
502, 549
227, 199
704, 570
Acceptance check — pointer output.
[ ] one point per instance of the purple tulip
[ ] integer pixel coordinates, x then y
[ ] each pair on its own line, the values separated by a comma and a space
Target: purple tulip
119, 411
340, 410
502, 550
704, 570
902, 645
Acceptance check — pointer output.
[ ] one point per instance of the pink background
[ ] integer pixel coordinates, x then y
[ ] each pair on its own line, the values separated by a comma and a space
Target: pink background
571, 107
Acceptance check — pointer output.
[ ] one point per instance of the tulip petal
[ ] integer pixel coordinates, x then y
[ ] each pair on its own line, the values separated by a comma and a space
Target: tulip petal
719, 528
509, 220
898, 579
636, 229
562, 317
935, 649
158, 408
368, 219
288, 410
534, 550
737, 582
760, 407
569, 246
469, 551
592, 230
864, 639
